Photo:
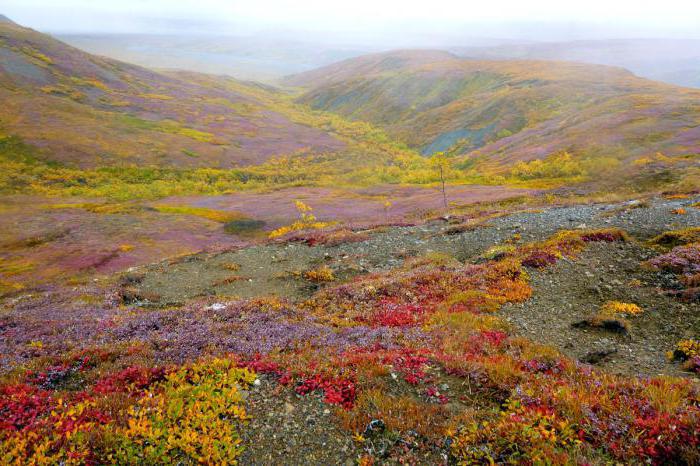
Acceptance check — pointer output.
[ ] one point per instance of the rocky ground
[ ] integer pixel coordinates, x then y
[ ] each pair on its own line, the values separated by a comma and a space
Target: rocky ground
574, 290
289, 429
277, 269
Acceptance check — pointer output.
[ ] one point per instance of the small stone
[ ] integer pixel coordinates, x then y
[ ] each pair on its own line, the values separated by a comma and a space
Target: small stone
596, 356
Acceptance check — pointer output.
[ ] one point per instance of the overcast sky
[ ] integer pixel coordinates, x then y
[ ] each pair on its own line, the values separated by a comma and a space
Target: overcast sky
536, 19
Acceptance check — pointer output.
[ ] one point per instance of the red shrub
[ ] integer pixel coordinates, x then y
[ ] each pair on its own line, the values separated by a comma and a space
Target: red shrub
336, 391
131, 379
607, 236
22, 406
539, 259
433, 393
261, 366
663, 437
394, 314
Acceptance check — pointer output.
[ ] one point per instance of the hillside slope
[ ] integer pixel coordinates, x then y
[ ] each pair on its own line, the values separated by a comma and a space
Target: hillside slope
83, 110
508, 111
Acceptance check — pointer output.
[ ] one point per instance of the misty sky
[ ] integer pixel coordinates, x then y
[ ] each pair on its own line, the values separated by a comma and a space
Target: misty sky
535, 19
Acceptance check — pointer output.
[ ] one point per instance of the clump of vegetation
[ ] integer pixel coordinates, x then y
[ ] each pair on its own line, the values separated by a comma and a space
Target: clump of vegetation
498, 251
684, 261
673, 238
687, 351
540, 259
610, 316
330, 238
322, 274
462, 228
605, 321
617, 307
229, 280
192, 416
232, 266
307, 221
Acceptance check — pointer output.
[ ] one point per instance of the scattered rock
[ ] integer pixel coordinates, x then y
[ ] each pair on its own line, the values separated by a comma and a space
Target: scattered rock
596, 356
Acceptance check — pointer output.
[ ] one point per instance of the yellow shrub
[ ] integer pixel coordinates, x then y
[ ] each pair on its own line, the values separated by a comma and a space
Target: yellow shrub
190, 417
612, 308
320, 274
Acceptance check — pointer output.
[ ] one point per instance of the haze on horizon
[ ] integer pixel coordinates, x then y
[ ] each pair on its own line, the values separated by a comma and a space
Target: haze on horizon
269, 39
389, 22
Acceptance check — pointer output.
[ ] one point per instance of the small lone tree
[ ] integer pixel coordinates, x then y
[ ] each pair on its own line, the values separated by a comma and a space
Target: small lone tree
307, 221
387, 206
441, 163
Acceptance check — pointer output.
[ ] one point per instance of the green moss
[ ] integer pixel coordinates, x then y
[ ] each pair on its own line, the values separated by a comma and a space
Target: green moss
244, 226
209, 214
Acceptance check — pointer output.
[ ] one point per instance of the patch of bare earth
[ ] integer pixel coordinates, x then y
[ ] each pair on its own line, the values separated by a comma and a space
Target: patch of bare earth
293, 430
573, 290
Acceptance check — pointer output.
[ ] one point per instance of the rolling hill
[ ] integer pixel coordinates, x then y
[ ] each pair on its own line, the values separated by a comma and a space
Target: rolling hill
85, 111
502, 112
675, 61
359, 122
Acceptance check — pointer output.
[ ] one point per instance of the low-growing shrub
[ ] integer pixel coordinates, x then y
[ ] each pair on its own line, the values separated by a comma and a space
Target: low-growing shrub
320, 274
192, 416
671, 239
613, 308
687, 349
540, 259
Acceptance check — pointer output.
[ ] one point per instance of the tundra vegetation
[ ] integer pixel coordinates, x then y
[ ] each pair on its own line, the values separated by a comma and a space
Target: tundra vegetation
111, 172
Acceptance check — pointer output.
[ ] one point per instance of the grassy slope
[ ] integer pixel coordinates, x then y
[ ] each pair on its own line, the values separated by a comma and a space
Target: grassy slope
77, 124
88, 111
508, 111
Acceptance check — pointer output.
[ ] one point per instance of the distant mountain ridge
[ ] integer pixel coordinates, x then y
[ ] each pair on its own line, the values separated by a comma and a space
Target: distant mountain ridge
675, 61
505, 111
353, 68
